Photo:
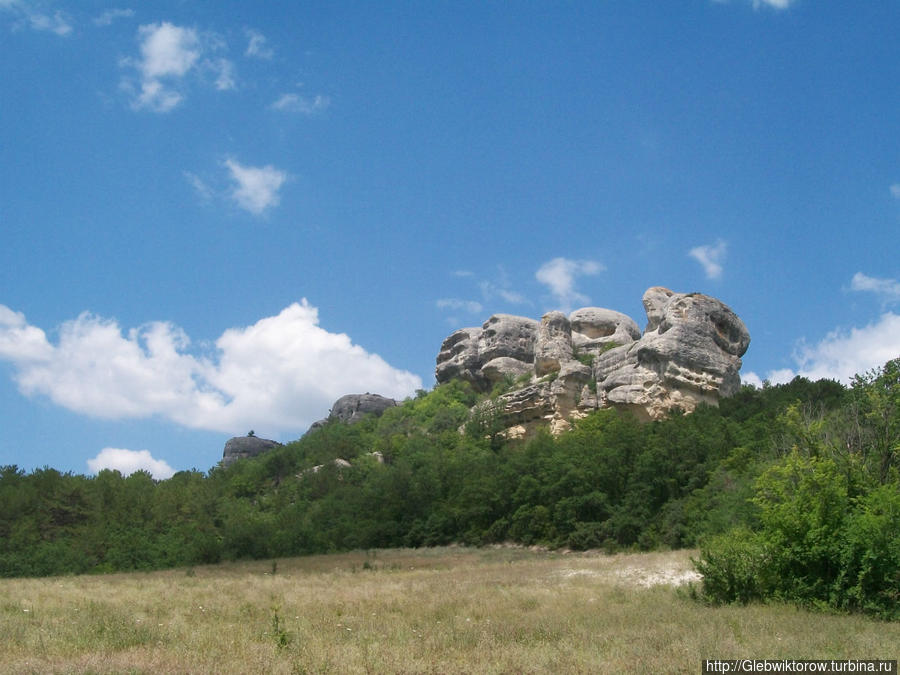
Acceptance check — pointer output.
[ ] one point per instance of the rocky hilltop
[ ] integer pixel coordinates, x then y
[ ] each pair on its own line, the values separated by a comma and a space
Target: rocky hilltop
349, 409
562, 367
354, 407
241, 447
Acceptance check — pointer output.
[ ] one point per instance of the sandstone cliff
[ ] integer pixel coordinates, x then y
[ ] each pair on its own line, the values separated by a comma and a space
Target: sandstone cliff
562, 367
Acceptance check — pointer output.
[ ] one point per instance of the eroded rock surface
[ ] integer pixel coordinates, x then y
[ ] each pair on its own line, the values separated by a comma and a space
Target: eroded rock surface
241, 447
354, 407
565, 366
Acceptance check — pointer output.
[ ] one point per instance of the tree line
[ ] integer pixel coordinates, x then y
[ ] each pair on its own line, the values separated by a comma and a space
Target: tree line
790, 492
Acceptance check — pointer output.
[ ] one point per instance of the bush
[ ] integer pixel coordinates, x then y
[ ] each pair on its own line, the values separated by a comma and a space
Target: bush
736, 567
815, 547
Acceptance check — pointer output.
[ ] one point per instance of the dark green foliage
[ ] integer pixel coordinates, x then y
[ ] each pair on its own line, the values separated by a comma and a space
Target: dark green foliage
792, 492
827, 531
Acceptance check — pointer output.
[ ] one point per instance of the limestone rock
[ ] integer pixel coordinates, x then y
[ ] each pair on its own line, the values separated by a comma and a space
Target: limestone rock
505, 342
458, 357
595, 329
496, 370
507, 335
689, 354
553, 346
241, 447
354, 407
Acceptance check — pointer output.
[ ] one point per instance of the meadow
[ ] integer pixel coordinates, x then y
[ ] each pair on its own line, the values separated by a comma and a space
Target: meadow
438, 610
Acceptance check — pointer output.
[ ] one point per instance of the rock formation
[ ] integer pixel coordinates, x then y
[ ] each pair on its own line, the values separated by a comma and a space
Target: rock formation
240, 447
348, 409
354, 407
563, 367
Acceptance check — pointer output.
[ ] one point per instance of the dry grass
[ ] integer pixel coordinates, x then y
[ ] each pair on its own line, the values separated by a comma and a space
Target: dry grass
449, 610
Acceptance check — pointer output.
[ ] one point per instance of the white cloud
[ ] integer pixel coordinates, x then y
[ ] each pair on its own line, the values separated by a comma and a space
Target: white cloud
127, 462
256, 47
559, 276
167, 50
58, 23
841, 354
19, 341
711, 258
888, 289
281, 373
470, 306
203, 190
775, 4
255, 188
895, 190
298, 104
168, 55
490, 290
110, 15
752, 379
156, 97
224, 71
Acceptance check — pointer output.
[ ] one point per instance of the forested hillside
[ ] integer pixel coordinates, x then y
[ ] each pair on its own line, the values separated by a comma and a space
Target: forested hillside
791, 491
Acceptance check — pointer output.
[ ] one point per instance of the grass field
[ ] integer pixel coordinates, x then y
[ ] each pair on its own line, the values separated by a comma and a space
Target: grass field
447, 610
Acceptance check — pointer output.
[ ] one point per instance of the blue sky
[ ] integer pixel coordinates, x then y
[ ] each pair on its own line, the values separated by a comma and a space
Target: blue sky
217, 217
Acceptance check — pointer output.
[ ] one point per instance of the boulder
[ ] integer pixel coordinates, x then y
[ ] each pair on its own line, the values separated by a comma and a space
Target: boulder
241, 447
354, 407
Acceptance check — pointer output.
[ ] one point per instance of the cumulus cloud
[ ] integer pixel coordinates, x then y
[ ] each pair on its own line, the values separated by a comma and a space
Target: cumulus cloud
887, 289
127, 462
110, 15
841, 354
256, 45
281, 373
255, 189
559, 276
895, 190
298, 104
710, 258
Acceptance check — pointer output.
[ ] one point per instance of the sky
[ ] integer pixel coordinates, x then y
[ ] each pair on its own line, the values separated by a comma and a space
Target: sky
221, 217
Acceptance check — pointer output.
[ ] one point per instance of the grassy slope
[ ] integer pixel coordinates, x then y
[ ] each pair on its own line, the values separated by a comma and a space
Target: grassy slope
439, 610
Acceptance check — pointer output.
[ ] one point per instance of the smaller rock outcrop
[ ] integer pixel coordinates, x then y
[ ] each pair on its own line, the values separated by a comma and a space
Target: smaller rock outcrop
352, 408
241, 447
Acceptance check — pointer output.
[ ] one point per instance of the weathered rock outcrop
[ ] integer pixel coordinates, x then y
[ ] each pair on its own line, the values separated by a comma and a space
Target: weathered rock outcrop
354, 407
241, 447
566, 366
